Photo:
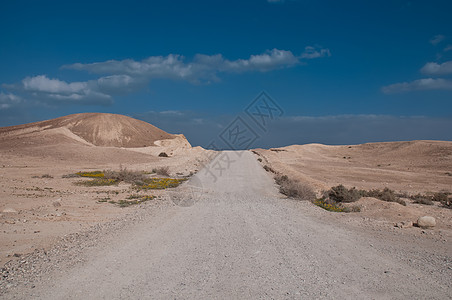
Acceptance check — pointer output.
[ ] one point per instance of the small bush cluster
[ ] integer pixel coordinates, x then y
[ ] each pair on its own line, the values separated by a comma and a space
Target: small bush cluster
294, 189
441, 197
269, 169
341, 194
422, 199
386, 194
163, 154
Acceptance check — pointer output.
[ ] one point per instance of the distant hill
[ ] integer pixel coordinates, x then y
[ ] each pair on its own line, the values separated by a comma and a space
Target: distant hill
98, 129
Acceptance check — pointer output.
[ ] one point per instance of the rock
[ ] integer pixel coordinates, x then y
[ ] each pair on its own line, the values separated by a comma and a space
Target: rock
10, 210
426, 222
57, 203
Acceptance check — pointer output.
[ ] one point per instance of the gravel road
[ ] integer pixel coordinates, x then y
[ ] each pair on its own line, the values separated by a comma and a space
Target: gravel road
240, 239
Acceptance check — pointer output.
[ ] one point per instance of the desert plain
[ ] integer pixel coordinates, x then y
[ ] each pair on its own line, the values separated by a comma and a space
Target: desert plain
42, 204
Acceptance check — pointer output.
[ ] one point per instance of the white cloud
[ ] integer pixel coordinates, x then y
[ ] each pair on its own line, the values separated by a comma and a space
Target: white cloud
418, 85
433, 68
437, 39
43, 84
315, 52
270, 60
448, 48
202, 67
8, 100
43, 88
126, 76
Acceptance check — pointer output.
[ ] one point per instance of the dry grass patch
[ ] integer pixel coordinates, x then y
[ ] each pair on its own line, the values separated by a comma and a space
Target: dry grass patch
294, 189
162, 171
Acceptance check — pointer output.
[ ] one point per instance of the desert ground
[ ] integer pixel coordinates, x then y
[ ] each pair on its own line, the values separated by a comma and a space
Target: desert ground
232, 235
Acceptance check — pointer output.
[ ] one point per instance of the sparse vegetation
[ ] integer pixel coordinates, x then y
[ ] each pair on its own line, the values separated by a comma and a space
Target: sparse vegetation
269, 169
440, 197
125, 175
294, 189
341, 194
48, 176
255, 152
159, 183
163, 154
102, 200
386, 194
93, 174
278, 150
133, 200
329, 205
162, 171
97, 182
259, 159
422, 199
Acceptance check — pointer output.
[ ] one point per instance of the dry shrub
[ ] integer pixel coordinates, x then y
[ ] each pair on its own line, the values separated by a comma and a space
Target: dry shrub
125, 175
294, 189
269, 169
162, 171
440, 197
163, 154
422, 199
386, 194
341, 194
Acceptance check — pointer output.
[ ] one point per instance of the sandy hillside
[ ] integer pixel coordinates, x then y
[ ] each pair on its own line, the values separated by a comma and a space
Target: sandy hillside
37, 205
406, 167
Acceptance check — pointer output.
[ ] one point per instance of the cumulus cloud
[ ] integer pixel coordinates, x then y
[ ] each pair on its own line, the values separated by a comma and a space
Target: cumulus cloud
433, 68
46, 89
418, 85
202, 67
437, 39
128, 75
8, 100
315, 52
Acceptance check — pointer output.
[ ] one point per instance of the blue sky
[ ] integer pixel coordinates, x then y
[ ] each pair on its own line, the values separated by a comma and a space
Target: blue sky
342, 71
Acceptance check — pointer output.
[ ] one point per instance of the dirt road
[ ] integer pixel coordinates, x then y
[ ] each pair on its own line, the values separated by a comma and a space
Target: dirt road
242, 240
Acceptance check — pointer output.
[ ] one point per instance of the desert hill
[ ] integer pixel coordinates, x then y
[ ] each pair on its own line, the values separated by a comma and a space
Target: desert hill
99, 129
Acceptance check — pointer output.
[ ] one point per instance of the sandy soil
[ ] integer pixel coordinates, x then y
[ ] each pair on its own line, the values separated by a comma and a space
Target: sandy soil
411, 167
36, 210
242, 239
